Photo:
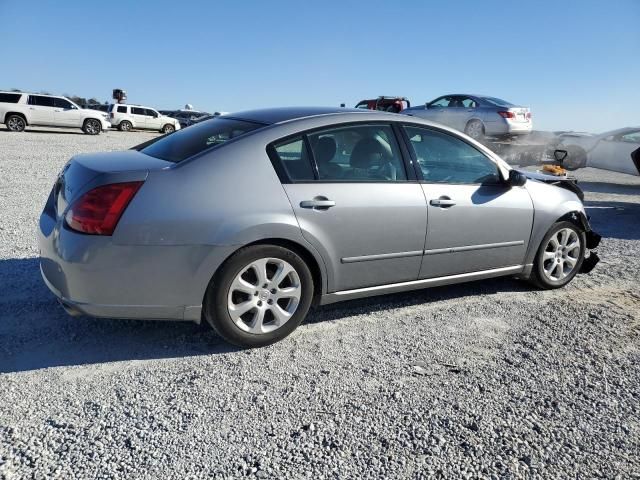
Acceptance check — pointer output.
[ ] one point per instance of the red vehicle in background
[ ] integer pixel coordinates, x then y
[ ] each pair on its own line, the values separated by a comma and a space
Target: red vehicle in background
385, 104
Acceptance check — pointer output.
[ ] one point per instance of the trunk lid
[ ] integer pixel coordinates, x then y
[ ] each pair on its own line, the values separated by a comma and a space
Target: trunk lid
87, 171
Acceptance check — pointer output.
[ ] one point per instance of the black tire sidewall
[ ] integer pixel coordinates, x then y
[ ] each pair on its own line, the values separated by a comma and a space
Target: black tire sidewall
24, 123
215, 304
84, 127
538, 266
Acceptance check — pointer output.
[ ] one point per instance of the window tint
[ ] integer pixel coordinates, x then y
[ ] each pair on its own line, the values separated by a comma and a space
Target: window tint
446, 159
364, 105
10, 97
61, 103
294, 157
358, 153
138, 111
41, 101
442, 102
468, 103
150, 113
188, 142
122, 109
497, 102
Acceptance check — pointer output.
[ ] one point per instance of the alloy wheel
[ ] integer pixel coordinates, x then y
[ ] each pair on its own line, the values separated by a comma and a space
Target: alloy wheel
474, 129
92, 127
561, 254
16, 124
264, 295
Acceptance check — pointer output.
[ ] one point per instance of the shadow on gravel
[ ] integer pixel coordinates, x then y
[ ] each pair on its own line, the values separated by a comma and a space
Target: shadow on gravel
615, 219
59, 132
35, 332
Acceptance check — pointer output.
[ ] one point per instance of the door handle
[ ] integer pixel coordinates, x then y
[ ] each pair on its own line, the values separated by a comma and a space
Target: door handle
318, 203
442, 202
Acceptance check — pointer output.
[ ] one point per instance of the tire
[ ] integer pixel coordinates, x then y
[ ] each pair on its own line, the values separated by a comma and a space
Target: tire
475, 129
547, 276
125, 126
576, 158
92, 126
15, 123
238, 283
168, 128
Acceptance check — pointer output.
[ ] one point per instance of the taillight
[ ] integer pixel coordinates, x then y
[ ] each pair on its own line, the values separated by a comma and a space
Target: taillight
98, 211
507, 114
528, 115
111, 115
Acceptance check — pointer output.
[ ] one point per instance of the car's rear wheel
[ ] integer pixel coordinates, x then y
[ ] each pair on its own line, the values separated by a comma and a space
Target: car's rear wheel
475, 129
168, 128
15, 123
92, 126
125, 126
576, 158
560, 256
259, 296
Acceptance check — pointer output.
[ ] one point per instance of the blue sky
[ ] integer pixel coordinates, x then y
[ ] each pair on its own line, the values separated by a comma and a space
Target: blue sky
575, 63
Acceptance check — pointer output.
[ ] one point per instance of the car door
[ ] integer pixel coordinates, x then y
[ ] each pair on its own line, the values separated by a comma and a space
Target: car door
66, 114
614, 152
139, 117
476, 221
355, 203
152, 119
41, 110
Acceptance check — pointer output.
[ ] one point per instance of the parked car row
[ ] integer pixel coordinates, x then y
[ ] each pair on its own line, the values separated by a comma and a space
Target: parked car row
185, 117
19, 110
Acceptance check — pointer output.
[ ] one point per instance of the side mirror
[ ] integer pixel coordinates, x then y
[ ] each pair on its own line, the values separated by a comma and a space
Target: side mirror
516, 179
560, 155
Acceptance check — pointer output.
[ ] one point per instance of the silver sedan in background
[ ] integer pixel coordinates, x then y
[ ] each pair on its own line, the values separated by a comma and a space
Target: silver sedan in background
246, 220
476, 115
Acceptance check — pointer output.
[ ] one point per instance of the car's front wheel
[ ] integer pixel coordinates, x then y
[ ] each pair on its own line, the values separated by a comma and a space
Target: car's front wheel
168, 128
16, 123
92, 126
560, 256
259, 296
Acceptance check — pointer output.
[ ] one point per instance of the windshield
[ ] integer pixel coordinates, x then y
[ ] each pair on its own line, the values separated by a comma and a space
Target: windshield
199, 137
497, 102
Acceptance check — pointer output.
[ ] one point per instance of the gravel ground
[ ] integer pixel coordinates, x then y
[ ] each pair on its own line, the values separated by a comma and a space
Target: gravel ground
486, 380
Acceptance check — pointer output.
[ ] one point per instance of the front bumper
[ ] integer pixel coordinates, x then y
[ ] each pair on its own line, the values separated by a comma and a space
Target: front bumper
106, 125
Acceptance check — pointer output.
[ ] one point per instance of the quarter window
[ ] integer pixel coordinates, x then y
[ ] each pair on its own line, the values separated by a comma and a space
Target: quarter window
294, 157
444, 158
9, 97
358, 153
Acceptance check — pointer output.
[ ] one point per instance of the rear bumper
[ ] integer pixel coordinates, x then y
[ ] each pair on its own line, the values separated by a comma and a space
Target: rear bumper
92, 275
504, 127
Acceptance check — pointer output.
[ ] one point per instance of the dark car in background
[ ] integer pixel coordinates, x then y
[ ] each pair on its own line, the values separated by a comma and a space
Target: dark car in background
385, 104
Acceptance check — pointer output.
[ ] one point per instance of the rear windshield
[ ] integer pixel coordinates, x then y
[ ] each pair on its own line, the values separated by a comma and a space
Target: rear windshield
188, 142
497, 102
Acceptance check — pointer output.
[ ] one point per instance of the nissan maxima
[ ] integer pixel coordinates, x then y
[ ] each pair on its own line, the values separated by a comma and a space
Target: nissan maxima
245, 221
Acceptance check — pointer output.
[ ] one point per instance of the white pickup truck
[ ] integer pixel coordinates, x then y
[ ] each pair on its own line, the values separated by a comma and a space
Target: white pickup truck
18, 110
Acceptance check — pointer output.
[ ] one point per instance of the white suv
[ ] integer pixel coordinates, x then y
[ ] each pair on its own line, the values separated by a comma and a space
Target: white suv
127, 117
17, 110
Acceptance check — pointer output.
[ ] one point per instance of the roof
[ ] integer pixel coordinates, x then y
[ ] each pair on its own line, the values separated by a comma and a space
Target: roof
269, 116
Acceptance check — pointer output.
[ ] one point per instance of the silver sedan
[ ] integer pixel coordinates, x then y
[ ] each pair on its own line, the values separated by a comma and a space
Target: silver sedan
476, 115
246, 220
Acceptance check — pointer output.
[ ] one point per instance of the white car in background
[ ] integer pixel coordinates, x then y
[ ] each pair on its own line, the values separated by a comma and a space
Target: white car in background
19, 110
127, 117
610, 150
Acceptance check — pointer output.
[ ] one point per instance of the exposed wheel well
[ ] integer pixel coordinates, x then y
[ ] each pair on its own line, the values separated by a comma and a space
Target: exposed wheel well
8, 114
577, 218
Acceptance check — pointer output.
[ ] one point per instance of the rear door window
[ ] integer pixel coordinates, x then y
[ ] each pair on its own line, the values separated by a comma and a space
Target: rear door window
122, 109
41, 101
202, 136
138, 111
